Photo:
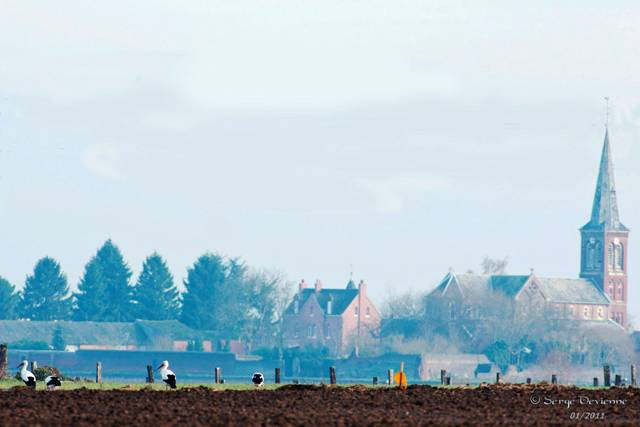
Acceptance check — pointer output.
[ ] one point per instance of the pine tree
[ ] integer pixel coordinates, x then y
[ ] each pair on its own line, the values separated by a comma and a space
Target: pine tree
203, 283
46, 293
215, 296
57, 341
91, 293
105, 293
8, 300
155, 294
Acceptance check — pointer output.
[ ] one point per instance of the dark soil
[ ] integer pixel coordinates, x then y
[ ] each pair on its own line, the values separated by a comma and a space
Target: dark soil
304, 405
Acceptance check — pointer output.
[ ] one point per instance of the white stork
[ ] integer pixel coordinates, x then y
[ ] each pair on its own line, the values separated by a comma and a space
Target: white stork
167, 374
52, 382
257, 379
26, 375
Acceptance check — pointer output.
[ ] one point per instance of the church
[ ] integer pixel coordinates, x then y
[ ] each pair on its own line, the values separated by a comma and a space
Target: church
598, 294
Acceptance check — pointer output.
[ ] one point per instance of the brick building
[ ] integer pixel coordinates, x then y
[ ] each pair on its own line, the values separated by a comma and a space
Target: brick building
600, 294
338, 319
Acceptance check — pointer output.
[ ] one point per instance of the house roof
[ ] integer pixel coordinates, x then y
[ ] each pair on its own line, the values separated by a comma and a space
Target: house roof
340, 299
74, 333
98, 333
579, 291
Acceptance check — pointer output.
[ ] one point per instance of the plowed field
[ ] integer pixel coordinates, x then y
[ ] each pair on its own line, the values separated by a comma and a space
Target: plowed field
310, 405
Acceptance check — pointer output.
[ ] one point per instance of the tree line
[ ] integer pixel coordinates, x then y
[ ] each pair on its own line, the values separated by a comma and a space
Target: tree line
221, 294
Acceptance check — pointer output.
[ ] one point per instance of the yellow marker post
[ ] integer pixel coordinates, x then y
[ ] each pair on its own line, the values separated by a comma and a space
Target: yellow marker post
400, 378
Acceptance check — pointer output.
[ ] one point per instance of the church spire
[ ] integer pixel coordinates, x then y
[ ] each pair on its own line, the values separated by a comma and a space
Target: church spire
604, 213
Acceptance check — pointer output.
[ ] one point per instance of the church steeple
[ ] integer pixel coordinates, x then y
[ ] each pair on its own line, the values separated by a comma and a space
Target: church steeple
604, 241
604, 213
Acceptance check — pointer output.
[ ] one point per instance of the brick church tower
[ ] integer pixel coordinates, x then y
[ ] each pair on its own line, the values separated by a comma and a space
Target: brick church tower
604, 241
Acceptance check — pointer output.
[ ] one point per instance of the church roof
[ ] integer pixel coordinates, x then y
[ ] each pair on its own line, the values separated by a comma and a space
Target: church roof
579, 291
604, 213
340, 299
560, 290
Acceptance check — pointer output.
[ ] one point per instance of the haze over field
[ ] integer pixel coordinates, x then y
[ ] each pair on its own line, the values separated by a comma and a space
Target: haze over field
402, 138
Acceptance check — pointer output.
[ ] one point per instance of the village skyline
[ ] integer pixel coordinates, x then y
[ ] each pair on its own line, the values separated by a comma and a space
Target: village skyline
418, 153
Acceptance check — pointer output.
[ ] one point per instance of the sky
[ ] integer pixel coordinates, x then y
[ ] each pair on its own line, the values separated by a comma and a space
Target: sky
392, 139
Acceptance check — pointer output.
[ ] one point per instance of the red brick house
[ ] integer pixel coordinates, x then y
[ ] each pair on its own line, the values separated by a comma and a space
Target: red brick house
339, 319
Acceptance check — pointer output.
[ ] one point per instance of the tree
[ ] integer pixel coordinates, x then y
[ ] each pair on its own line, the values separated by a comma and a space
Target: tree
57, 341
8, 300
407, 305
105, 293
155, 294
46, 293
494, 265
211, 297
90, 297
267, 296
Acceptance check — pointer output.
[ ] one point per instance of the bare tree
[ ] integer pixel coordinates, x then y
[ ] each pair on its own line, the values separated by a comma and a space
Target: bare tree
407, 305
494, 265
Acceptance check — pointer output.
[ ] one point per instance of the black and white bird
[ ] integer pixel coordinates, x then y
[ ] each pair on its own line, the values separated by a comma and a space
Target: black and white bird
52, 382
167, 374
257, 379
27, 376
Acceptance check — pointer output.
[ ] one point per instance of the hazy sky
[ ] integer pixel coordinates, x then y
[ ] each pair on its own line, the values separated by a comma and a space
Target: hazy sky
401, 137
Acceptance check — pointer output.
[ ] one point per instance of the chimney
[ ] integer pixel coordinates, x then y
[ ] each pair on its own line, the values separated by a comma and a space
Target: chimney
302, 285
318, 285
362, 288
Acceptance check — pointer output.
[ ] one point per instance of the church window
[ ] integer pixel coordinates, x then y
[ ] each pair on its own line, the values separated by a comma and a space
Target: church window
296, 306
619, 292
618, 254
452, 311
610, 255
572, 310
585, 312
311, 331
368, 312
600, 313
591, 254
355, 313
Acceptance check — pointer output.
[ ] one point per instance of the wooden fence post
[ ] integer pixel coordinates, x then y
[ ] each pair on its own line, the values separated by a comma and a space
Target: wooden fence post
99, 372
529, 381
554, 379
375, 380
447, 380
498, 378
618, 380
607, 376
4, 361
277, 375
34, 365
332, 375
633, 376
217, 374
595, 381
390, 376
150, 379
443, 374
